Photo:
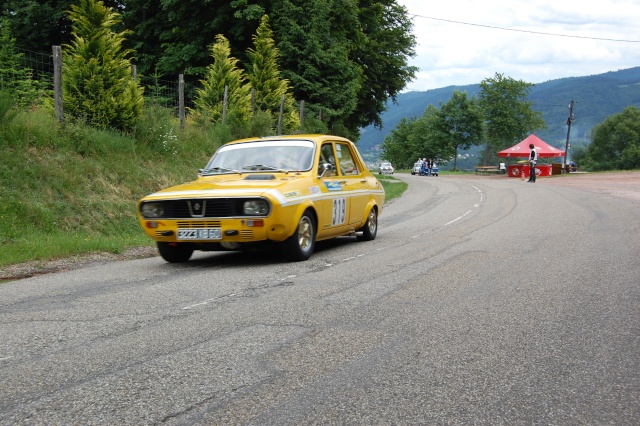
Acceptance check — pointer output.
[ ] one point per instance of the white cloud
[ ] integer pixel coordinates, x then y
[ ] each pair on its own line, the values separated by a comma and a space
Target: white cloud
453, 53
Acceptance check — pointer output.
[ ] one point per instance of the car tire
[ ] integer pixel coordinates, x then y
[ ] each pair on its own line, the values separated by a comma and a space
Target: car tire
175, 252
370, 228
301, 244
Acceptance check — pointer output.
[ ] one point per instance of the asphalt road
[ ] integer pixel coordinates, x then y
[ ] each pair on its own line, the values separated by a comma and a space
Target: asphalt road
482, 301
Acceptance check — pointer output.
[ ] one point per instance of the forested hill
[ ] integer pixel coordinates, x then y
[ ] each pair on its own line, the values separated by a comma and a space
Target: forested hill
597, 97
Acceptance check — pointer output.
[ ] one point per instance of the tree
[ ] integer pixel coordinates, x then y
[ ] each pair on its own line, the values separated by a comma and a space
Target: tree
39, 24
315, 54
382, 52
462, 121
396, 147
347, 57
151, 31
266, 80
430, 138
615, 142
224, 72
509, 116
97, 81
418, 138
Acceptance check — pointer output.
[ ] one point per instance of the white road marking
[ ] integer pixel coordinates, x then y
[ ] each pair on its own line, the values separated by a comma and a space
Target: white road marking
209, 301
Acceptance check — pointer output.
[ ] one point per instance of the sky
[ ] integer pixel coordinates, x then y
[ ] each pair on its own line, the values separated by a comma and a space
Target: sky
462, 42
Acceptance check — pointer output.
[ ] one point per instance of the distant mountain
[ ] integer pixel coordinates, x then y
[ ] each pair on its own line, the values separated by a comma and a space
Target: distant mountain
597, 97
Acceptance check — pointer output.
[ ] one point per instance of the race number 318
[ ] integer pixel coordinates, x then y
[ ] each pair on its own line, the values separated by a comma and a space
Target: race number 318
339, 211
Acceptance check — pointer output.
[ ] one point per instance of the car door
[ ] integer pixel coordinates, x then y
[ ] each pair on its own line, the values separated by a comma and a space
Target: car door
353, 181
335, 203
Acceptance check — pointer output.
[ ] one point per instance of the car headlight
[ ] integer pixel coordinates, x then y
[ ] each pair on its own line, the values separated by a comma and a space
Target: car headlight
152, 210
255, 208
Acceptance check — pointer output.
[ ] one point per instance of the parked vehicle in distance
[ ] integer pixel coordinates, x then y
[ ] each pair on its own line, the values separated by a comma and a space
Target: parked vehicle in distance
288, 190
385, 168
417, 166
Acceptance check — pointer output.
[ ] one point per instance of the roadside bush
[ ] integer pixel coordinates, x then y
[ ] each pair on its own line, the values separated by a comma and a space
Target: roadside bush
156, 128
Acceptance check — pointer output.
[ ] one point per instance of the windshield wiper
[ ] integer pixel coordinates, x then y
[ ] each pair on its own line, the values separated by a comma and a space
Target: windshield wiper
258, 167
220, 170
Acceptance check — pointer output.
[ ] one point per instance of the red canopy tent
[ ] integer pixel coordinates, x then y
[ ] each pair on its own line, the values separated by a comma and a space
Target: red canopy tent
522, 149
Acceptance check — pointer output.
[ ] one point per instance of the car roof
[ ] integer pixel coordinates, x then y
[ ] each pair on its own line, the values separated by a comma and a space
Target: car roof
312, 137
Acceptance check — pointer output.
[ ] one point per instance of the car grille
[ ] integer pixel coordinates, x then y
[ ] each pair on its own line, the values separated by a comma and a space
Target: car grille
212, 207
202, 208
199, 224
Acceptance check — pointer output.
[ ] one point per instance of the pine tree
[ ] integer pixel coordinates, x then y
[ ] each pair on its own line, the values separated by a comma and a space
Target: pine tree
266, 80
223, 72
97, 81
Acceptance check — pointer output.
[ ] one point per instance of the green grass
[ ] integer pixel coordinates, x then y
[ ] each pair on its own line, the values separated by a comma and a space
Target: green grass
393, 187
73, 190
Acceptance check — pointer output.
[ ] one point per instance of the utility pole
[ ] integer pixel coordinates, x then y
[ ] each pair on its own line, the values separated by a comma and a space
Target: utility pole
566, 147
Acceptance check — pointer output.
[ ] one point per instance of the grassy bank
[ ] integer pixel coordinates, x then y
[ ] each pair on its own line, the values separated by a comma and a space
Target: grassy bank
73, 190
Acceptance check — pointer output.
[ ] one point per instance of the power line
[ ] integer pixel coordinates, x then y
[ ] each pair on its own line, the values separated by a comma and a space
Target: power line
522, 31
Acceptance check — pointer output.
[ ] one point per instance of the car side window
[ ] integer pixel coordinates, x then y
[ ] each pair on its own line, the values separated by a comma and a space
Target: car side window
346, 162
326, 156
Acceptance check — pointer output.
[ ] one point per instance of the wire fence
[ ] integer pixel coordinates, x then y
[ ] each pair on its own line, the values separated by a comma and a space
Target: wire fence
29, 75
36, 78
39, 65
166, 93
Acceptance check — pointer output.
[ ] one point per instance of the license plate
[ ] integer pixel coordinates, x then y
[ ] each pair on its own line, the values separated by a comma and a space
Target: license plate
199, 234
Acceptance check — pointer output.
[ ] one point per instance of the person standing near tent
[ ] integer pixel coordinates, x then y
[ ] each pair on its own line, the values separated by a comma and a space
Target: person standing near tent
533, 158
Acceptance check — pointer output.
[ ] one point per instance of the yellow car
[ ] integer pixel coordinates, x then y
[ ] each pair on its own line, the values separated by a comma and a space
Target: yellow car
290, 190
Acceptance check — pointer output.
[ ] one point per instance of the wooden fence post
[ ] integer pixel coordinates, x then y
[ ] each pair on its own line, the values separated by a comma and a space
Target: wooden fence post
57, 84
181, 100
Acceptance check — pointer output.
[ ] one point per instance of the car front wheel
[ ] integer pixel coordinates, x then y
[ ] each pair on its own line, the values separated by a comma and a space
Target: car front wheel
370, 228
175, 252
300, 245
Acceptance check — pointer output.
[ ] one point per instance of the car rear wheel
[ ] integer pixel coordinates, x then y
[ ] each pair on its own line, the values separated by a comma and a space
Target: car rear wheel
370, 228
175, 252
300, 245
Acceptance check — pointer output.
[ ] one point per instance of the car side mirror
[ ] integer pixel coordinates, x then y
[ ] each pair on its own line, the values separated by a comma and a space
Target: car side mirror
326, 167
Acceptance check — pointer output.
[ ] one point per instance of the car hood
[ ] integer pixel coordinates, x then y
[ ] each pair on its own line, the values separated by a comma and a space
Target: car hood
255, 184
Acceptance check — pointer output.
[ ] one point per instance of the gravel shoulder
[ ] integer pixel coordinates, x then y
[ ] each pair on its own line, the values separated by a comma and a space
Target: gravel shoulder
620, 185
38, 267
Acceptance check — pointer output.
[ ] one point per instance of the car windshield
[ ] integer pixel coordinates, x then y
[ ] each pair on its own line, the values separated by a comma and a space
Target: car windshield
262, 156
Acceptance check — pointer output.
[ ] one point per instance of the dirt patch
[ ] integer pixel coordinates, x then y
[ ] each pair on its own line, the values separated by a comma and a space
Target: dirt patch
623, 185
